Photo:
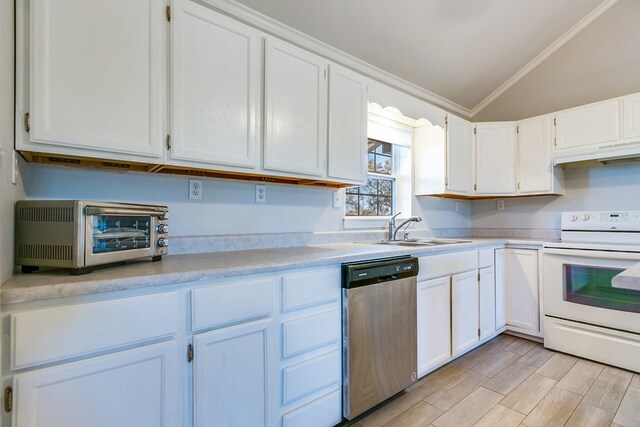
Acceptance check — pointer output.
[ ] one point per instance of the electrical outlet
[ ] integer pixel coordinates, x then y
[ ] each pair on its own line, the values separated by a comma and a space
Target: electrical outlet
195, 189
261, 193
457, 206
337, 199
500, 204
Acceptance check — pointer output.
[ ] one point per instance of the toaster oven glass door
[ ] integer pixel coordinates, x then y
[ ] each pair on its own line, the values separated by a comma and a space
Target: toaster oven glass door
112, 233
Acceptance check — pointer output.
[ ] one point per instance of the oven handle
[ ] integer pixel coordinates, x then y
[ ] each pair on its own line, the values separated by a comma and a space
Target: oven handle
586, 253
120, 211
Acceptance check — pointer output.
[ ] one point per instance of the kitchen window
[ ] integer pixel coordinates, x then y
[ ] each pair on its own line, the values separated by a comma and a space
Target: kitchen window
376, 198
388, 189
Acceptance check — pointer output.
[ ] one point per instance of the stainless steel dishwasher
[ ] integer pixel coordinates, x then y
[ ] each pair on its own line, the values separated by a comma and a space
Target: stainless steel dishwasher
379, 331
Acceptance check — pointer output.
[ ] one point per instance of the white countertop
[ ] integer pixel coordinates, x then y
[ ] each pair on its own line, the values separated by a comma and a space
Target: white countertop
175, 269
628, 279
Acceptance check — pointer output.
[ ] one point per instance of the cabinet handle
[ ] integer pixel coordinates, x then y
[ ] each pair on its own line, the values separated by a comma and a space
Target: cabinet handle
8, 399
189, 353
27, 124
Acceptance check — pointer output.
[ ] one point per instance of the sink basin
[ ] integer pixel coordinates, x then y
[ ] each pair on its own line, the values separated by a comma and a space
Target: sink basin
423, 242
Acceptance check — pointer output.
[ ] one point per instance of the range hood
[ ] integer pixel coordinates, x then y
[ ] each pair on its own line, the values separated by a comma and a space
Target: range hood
617, 152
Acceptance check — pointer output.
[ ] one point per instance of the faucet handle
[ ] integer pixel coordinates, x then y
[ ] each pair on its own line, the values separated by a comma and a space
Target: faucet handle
392, 220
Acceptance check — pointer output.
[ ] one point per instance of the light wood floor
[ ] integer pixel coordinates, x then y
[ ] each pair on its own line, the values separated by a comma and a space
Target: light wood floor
510, 381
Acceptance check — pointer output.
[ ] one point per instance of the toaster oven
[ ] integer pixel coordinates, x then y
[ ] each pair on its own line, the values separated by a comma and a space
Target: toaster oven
79, 234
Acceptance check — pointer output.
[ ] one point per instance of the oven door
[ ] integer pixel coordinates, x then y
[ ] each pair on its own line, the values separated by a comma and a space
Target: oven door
114, 234
577, 286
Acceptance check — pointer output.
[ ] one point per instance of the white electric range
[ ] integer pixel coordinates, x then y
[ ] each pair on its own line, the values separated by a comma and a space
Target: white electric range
583, 313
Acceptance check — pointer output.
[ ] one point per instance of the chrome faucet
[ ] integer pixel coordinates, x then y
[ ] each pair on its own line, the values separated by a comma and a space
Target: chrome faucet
393, 230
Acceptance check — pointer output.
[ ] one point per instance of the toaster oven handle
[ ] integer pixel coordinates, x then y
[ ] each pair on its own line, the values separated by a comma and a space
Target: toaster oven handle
117, 211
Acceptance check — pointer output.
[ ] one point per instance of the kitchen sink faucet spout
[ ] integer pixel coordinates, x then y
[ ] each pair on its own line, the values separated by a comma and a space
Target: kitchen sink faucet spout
393, 230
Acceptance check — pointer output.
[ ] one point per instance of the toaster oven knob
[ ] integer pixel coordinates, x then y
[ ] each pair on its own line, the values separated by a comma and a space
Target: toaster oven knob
163, 242
163, 216
163, 228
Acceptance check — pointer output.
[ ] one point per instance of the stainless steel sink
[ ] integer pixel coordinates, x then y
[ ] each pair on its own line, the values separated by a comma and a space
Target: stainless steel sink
423, 242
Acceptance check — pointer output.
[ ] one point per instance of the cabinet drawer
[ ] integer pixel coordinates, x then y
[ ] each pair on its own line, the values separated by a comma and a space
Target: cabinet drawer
310, 332
53, 334
310, 376
325, 411
447, 264
485, 258
310, 288
232, 302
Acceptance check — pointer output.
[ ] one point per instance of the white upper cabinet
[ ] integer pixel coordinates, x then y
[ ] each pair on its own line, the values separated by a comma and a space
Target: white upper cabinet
296, 110
347, 125
536, 173
216, 103
459, 156
590, 124
444, 158
96, 77
495, 152
631, 116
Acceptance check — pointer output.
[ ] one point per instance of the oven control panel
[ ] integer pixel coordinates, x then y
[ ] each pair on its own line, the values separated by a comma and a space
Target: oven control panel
594, 221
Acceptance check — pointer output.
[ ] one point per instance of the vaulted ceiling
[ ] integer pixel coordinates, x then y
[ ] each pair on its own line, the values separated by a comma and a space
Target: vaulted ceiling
467, 51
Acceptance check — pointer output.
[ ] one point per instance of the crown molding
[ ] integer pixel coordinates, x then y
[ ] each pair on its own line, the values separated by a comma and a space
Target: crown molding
546, 53
275, 28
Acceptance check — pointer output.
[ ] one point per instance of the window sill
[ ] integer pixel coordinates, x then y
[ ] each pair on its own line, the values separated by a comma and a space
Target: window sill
370, 222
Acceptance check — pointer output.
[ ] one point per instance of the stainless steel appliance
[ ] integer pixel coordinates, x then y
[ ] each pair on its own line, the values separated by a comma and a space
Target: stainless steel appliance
379, 331
584, 313
79, 234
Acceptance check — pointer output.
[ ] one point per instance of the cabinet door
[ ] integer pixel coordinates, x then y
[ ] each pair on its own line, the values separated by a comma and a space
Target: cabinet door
522, 289
347, 125
501, 290
296, 110
459, 156
586, 125
495, 148
535, 168
631, 116
232, 379
464, 311
97, 79
138, 387
487, 305
434, 323
217, 84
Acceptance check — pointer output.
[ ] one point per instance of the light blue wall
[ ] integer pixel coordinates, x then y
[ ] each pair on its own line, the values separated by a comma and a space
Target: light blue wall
596, 188
227, 207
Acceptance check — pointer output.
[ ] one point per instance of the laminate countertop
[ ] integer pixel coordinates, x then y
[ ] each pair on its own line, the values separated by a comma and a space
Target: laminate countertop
176, 269
628, 279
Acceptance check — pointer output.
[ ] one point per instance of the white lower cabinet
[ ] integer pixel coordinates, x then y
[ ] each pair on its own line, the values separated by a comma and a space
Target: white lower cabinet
523, 301
464, 311
501, 288
487, 303
135, 388
434, 323
233, 374
264, 350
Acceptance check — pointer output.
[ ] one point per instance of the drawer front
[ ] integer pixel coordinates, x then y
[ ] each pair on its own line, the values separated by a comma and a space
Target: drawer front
310, 376
58, 333
310, 288
485, 258
433, 266
310, 332
232, 302
325, 411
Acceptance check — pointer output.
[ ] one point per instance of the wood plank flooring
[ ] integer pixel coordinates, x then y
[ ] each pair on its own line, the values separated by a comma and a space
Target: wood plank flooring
510, 381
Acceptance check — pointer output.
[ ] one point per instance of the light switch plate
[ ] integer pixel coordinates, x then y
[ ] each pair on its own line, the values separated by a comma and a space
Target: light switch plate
337, 199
